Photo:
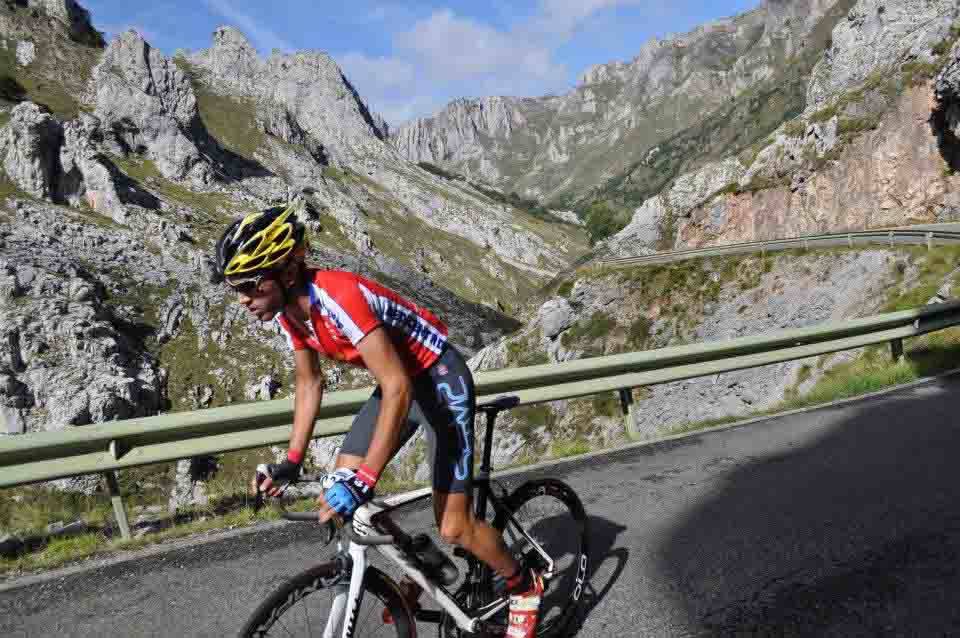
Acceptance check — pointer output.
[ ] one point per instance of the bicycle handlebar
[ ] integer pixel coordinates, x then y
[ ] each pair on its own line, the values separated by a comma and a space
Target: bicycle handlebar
347, 528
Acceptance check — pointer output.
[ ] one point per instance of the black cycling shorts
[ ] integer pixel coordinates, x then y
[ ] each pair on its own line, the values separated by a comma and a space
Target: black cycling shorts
445, 401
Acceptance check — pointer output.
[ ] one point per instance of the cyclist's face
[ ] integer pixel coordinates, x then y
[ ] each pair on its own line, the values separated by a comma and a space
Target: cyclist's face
263, 298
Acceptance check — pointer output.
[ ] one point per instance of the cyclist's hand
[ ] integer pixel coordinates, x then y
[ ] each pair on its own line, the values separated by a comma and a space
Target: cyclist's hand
344, 491
324, 510
273, 478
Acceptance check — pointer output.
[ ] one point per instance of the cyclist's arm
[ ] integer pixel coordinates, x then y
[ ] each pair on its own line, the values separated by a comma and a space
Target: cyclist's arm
306, 403
396, 387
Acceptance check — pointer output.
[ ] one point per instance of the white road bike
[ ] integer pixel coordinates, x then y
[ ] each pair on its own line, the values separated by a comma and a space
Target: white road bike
544, 525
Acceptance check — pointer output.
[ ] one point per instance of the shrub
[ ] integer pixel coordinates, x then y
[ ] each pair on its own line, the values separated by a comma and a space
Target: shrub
11, 90
853, 125
795, 128
639, 332
603, 221
824, 115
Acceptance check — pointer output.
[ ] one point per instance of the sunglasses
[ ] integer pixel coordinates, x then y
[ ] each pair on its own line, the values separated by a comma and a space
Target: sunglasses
247, 286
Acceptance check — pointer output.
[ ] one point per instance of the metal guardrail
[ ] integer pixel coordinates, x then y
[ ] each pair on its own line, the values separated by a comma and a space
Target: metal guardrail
108, 447
889, 237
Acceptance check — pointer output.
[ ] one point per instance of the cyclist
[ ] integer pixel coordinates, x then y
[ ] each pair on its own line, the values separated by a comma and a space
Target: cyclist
422, 380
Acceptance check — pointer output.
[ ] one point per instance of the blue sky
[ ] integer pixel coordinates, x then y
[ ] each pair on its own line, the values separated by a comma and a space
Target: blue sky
409, 58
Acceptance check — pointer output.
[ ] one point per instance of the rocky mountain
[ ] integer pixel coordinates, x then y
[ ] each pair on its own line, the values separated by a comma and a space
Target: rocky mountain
622, 116
874, 146
121, 166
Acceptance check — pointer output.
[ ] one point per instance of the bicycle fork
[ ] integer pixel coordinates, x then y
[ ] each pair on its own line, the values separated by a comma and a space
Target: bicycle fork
347, 601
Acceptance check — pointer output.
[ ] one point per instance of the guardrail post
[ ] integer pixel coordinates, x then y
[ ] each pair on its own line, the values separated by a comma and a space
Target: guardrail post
929, 241
806, 244
896, 349
629, 413
113, 487
890, 235
849, 240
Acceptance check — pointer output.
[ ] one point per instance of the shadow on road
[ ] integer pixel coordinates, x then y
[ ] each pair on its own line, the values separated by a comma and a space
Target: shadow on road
855, 531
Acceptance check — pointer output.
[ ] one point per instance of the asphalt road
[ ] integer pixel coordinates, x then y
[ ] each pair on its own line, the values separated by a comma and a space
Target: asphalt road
839, 522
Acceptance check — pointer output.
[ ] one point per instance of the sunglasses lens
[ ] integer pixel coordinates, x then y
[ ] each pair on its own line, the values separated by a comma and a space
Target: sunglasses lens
244, 287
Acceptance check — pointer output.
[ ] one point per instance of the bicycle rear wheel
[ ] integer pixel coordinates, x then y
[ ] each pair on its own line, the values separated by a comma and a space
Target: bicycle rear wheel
551, 513
301, 607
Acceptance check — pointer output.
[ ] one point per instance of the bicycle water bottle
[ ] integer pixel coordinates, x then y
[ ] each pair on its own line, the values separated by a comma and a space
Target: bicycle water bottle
439, 564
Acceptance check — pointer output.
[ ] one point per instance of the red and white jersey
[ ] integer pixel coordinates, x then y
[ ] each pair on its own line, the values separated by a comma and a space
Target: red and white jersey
345, 307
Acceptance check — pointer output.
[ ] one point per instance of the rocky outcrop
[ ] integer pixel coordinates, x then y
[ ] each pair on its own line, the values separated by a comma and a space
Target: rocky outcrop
60, 162
26, 52
66, 11
28, 148
872, 148
147, 106
263, 389
85, 176
892, 175
63, 351
948, 105
308, 86
461, 131
651, 219
879, 35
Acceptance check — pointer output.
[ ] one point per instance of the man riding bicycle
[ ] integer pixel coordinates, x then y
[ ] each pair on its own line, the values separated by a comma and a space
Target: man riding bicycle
422, 380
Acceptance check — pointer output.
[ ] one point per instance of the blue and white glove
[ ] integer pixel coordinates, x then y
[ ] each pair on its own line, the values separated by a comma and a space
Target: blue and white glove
346, 490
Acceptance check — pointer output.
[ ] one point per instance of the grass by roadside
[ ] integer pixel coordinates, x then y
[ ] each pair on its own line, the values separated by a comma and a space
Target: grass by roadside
99, 544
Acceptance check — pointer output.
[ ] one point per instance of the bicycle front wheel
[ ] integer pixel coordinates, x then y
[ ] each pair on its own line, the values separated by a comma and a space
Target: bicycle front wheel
554, 523
303, 607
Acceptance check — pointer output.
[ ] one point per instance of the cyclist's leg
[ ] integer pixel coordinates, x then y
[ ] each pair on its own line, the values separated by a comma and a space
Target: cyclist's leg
447, 401
460, 527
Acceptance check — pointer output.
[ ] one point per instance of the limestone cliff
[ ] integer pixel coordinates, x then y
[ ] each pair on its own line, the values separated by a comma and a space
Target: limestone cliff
873, 148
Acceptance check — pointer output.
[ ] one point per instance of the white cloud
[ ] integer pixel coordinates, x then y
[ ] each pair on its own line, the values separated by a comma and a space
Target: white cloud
376, 74
560, 18
449, 55
452, 48
263, 38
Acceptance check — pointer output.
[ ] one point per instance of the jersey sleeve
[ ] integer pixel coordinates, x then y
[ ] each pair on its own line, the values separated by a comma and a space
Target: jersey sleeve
351, 309
293, 339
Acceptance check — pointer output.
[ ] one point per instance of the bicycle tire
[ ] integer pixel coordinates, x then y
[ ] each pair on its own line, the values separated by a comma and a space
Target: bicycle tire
552, 513
283, 601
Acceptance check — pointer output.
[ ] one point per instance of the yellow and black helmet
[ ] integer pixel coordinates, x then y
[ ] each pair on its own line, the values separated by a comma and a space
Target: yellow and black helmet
260, 241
